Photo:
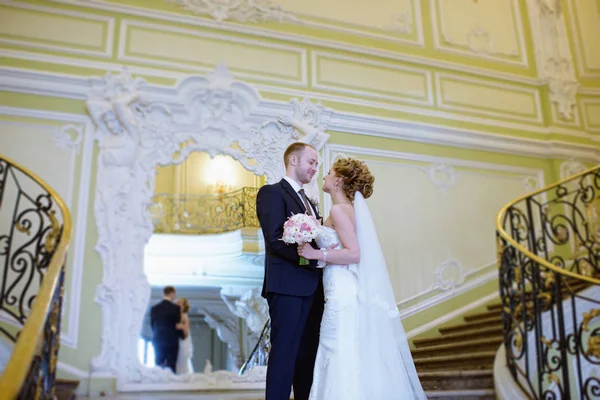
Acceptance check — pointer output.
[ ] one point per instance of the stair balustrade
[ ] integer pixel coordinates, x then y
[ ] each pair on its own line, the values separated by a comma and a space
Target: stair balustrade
35, 232
204, 213
548, 257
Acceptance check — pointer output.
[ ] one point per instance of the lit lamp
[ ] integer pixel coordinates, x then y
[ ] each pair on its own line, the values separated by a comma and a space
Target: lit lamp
220, 175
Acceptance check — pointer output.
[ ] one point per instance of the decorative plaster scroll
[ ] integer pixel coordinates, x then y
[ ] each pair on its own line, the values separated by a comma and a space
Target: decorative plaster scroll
553, 55
401, 23
449, 275
441, 175
140, 127
480, 41
63, 137
237, 10
570, 168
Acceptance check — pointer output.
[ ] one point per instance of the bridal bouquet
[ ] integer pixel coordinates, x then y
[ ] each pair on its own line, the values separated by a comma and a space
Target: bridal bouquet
300, 229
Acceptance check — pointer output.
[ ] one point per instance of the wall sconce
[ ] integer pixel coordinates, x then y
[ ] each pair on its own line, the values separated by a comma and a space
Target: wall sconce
220, 174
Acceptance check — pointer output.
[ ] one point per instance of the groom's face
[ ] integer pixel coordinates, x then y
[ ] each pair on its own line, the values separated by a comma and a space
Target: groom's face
306, 164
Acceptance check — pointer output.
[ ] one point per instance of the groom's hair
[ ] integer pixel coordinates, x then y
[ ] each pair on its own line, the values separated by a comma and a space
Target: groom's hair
167, 290
294, 149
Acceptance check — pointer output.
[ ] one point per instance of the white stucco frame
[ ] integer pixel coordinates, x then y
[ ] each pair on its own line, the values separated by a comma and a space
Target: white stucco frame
141, 126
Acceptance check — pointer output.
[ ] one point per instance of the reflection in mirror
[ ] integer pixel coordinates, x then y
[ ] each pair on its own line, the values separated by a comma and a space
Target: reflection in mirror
208, 247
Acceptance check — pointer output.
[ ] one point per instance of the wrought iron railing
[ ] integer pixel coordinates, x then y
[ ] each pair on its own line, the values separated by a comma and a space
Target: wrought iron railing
260, 354
35, 230
548, 254
203, 214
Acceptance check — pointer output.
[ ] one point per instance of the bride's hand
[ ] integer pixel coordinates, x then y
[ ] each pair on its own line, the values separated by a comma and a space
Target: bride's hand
179, 326
307, 251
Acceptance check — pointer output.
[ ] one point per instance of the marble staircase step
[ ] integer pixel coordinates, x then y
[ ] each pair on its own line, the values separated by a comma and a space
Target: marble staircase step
65, 389
494, 306
457, 380
478, 394
481, 315
473, 325
461, 347
494, 331
476, 360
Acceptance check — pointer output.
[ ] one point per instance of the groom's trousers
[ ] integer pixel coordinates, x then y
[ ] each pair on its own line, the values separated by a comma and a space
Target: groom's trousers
295, 325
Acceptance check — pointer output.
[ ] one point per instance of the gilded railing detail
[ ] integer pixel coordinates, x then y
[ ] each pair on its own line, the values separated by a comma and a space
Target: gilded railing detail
548, 256
35, 230
204, 214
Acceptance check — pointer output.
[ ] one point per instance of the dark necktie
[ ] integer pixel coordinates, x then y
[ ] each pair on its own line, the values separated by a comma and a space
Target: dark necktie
306, 204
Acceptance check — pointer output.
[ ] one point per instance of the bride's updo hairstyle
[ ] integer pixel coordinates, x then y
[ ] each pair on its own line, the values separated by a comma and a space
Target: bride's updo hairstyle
185, 305
356, 177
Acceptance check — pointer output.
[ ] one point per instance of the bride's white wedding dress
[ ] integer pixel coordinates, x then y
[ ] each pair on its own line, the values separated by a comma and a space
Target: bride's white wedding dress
184, 356
337, 367
363, 351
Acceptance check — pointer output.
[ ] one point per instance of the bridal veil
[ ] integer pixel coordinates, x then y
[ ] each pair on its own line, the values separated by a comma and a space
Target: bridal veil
387, 367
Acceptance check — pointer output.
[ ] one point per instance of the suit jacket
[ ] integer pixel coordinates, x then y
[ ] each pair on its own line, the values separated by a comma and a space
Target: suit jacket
283, 272
163, 318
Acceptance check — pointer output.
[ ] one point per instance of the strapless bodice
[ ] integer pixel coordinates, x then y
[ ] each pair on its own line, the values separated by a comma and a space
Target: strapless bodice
339, 281
327, 237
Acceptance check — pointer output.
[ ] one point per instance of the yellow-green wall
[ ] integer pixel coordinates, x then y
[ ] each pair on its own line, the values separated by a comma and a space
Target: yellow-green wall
353, 58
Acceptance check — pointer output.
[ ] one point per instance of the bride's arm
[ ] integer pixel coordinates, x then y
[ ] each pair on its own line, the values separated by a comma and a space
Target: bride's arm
346, 231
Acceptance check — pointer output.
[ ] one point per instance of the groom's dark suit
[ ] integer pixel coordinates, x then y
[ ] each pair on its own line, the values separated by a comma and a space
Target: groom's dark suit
294, 294
164, 317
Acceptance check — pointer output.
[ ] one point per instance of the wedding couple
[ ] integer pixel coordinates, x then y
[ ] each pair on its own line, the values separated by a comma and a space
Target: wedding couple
171, 333
336, 333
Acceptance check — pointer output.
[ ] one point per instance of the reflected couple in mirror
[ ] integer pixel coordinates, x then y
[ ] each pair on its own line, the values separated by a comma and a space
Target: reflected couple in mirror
171, 338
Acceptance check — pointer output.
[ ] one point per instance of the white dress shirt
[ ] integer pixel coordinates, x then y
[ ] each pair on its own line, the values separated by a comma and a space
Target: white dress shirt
297, 188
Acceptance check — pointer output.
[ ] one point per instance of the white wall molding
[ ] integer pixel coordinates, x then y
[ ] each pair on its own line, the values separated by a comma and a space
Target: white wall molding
316, 84
586, 119
122, 56
73, 87
553, 55
488, 52
450, 316
69, 337
107, 51
242, 11
305, 40
577, 42
82, 374
265, 10
493, 123
537, 119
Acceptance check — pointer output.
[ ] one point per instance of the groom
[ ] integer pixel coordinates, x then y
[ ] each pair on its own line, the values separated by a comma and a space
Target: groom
294, 292
164, 318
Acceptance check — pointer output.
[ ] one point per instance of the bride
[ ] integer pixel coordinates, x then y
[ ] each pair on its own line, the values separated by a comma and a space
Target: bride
363, 351
184, 356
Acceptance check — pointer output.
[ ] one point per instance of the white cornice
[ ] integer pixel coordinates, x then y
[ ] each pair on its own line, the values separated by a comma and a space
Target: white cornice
74, 87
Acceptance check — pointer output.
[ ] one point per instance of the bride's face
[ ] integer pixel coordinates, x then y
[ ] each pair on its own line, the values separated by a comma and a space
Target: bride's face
330, 181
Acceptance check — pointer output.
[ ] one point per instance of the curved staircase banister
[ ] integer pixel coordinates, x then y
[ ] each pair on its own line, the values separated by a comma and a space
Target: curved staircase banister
30, 341
505, 235
549, 264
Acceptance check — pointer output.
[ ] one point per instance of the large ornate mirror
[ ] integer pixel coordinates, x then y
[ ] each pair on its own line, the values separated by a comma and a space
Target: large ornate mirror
206, 244
188, 225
